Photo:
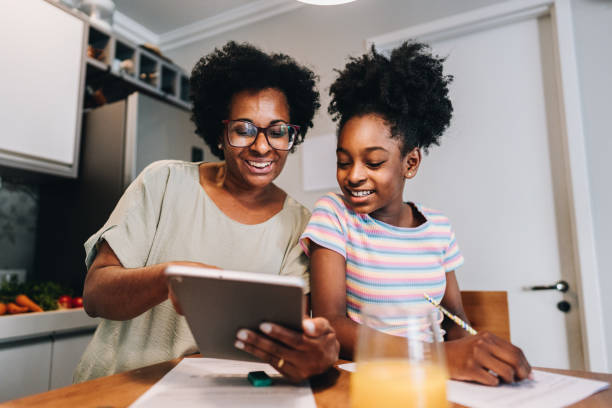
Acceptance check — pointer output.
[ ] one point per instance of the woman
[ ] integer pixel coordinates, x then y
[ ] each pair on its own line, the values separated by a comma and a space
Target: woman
252, 109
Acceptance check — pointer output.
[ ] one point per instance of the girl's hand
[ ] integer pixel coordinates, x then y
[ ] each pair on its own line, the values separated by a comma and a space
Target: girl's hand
297, 356
478, 358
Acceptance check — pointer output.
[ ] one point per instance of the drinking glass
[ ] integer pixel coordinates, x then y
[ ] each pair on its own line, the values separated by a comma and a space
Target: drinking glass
400, 359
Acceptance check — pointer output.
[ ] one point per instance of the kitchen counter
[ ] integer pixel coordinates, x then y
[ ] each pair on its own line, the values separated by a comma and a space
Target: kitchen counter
31, 325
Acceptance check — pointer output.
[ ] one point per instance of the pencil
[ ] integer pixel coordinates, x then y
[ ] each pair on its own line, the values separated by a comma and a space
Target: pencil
451, 316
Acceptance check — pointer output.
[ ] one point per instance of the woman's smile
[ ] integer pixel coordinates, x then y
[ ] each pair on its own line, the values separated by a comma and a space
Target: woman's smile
260, 166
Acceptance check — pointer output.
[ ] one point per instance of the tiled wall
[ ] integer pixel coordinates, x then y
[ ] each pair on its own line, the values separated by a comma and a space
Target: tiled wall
18, 216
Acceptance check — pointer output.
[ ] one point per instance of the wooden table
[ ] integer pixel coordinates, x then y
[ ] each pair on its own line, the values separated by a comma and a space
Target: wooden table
120, 390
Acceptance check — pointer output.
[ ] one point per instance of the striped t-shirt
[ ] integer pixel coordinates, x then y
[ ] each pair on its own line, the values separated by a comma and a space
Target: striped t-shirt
384, 263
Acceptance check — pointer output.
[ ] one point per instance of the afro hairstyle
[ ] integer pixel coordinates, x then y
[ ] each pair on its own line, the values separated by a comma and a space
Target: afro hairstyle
407, 89
218, 76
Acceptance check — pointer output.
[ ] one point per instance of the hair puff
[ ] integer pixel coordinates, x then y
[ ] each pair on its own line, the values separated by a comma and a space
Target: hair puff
408, 90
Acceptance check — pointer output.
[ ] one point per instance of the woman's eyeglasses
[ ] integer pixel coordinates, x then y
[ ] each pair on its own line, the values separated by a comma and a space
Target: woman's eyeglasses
241, 133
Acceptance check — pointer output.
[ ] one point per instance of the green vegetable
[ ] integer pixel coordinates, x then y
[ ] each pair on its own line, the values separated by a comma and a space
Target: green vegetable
45, 294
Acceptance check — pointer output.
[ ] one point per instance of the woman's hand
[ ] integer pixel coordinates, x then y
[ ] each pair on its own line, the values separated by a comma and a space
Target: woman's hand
297, 356
116, 293
478, 358
171, 295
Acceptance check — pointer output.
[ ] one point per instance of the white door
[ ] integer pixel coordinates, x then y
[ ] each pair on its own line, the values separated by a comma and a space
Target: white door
499, 175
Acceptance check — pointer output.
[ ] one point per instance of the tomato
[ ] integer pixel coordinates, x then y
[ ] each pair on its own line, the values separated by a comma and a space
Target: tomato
77, 301
64, 302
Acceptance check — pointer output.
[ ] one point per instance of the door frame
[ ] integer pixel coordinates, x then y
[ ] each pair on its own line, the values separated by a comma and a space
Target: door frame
572, 136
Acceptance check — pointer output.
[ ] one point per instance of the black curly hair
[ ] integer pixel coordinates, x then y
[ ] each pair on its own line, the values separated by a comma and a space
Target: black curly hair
218, 76
408, 90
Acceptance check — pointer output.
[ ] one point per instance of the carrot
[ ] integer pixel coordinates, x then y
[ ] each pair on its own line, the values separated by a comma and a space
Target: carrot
2, 308
23, 300
14, 309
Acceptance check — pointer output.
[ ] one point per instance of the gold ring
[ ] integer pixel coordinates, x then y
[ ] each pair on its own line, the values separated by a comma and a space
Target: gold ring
280, 363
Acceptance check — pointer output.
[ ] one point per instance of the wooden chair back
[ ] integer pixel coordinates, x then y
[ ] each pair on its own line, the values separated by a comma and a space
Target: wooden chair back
487, 311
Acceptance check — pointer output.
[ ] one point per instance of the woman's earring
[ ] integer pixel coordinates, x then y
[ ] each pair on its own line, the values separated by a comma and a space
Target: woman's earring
409, 174
220, 146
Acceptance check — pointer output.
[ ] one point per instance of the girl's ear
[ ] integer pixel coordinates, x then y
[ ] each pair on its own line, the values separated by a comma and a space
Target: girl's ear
411, 163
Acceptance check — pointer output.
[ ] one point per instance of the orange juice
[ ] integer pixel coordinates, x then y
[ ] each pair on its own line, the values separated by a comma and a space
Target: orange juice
398, 383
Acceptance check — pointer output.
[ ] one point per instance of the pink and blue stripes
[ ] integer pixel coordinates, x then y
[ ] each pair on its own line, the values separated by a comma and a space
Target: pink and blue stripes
385, 263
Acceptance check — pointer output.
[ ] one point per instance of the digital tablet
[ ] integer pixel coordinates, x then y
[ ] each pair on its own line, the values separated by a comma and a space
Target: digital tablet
217, 303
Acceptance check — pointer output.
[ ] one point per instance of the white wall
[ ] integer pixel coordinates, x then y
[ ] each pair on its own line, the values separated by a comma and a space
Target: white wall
593, 33
333, 34
322, 38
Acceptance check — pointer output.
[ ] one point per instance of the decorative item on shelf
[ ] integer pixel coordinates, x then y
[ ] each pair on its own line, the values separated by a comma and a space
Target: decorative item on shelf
96, 53
100, 12
155, 50
125, 66
94, 97
149, 77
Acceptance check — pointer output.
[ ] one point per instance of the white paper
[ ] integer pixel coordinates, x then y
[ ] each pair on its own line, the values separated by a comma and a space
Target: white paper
350, 367
210, 382
546, 390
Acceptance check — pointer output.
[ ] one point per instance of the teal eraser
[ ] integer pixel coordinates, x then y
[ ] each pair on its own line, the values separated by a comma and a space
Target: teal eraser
259, 378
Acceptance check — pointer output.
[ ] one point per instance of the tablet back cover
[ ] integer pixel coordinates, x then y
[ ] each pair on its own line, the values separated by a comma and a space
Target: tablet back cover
216, 308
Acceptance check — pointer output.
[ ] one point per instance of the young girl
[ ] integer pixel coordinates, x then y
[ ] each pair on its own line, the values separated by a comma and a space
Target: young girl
368, 245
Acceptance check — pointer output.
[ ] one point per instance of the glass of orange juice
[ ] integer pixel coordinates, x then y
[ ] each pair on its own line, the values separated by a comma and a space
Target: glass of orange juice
400, 358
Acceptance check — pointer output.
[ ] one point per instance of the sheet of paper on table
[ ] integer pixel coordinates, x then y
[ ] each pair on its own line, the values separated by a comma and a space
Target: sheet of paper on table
210, 382
545, 390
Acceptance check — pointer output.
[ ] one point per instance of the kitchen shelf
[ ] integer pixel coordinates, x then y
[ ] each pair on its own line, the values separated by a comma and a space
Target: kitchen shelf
124, 61
127, 68
113, 60
99, 45
98, 64
169, 79
148, 71
184, 89
156, 77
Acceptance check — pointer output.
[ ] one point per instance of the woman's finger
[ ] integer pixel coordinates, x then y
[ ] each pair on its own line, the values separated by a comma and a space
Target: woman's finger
268, 346
283, 366
277, 362
317, 327
291, 338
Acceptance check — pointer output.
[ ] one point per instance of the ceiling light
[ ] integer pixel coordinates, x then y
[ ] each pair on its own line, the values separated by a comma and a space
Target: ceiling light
325, 2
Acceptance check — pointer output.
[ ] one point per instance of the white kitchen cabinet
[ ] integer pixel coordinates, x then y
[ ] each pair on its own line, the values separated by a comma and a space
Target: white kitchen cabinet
67, 351
52, 56
39, 351
42, 81
25, 368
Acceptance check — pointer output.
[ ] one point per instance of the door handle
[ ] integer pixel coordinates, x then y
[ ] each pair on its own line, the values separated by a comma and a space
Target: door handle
561, 286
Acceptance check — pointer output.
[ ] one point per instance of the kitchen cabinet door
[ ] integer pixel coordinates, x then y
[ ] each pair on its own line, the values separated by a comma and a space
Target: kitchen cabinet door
25, 367
67, 351
41, 77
